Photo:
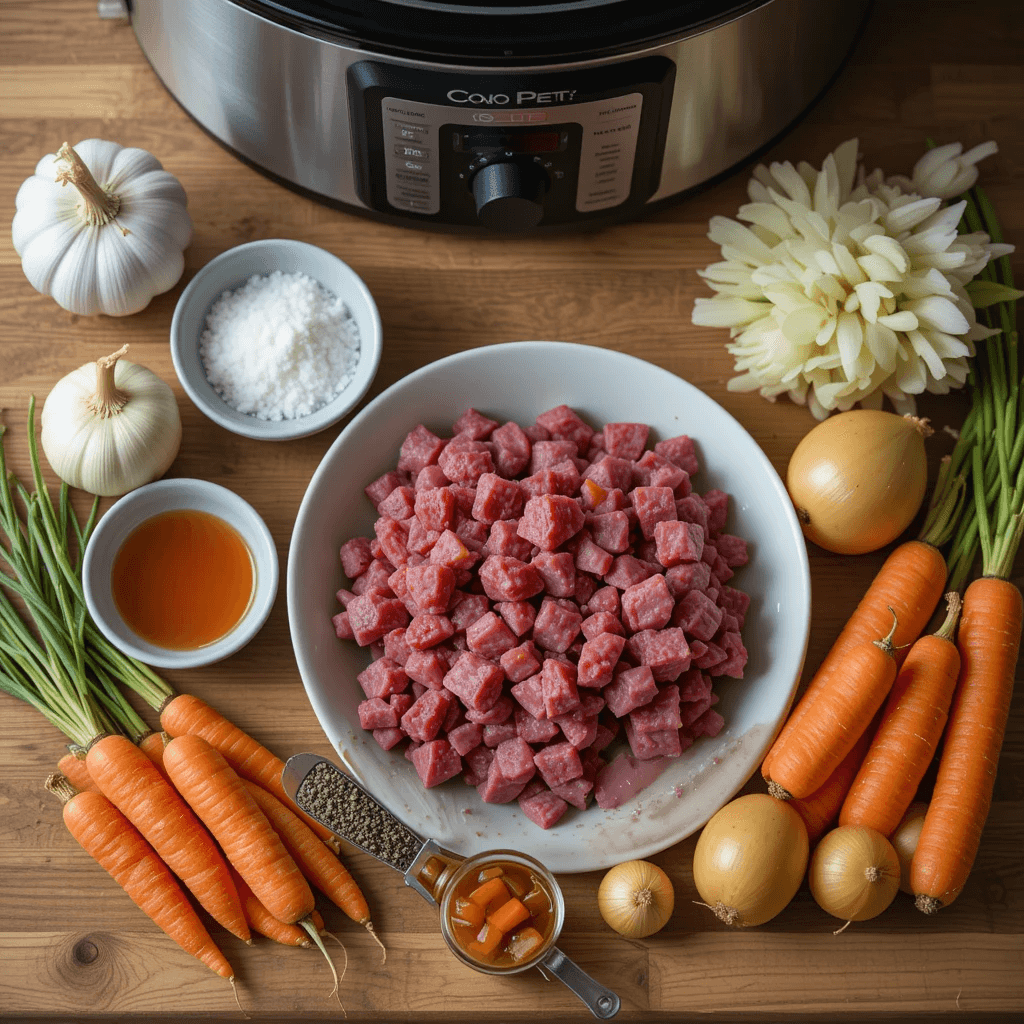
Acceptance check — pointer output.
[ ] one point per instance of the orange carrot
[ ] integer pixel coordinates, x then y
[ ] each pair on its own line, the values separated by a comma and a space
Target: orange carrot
75, 770
316, 862
908, 736
216, 793
263, 921
989, 642
133, 784
152, 745
188, 715
116, 845
508, 915
821, 808
910, 582
835, 719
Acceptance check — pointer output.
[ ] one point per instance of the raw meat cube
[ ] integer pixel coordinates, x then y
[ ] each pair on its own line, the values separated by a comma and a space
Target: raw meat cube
530, 695
514, 757
465, 737
653, 470
430, 477
449, 550
496, 733
546, 454
592, 558
494, 715
420, 539
399, 504
559, 763
511, 449
465, 495
736, 657
692, 509
496, 789
561, 422
557, 572
616, 501
401, 702
383, 677
583, 589
380, 488
420, 448
465, 609
431, 587
558, 683
464, 461
521, 662
733, 549
373, 614
603, 737
518, 615
549, 520
393, 537
376, 713
735, 601
709, 724
425, 717
679, 450
546, 481
355, 556
509, 579
544, 808
556, 625
718, 509
697, 615
687, 576
678, 542
575, 791
661, 714
647, 605
653, 505
713, 656
475, 681
631, 688
598, 660
665, 651
534, 730
436, 762
625, 440
694, 709
694, 685
478, 764
646, 745
610, 531
490, 637
428, 630
626, 571
388, 738
612, 474
504, 539
472, 533
474, 424
602, 622
342, 627
396, 647
580, 732
605, 599
496, 498
435, 508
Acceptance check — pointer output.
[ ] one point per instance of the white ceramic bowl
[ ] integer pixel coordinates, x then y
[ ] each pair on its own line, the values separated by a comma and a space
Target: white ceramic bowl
164, 496
518, 381
232, 269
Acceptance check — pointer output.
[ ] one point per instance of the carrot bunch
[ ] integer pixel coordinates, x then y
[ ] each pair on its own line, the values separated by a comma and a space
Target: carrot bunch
165, 813
861, 738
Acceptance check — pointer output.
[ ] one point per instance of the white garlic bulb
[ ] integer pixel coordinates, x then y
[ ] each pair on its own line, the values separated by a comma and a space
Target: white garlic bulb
110, 426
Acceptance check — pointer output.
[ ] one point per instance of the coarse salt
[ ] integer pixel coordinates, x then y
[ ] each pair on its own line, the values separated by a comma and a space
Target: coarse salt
279, 347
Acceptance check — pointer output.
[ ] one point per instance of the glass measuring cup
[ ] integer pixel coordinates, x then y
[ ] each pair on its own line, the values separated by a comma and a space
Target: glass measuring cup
341, 804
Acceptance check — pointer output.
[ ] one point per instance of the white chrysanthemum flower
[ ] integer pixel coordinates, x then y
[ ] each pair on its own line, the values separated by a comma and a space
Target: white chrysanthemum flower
847, 287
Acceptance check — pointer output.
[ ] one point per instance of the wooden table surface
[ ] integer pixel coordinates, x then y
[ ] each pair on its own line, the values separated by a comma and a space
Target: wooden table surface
72, 946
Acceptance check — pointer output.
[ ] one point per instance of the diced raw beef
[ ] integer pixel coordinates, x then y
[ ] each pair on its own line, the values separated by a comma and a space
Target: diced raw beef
504, 539
736, 658
546, 454
631, 688
465, 737
692, 509
549, 520
530, 695
431, 587
610, 531
591, 493
509, 579
396, 647
430, 477
475, 681
342, 627
664, 651
602, 622
561, 422
558, 763
556, 625
604, 599
647, 605
678, 542
425, 717
732, 548
580, 732
511, 449
558, 683
393, 537
626, 571
478, 764
435, 508
472, 533
464, 461
436, 762
557, 571
420, 539
575, 791
376, 713
697, 615
420, 448
496, 733
653, 470
474, 425
388, 738
592, 558
646, 745
496, 498
380, 488
355, 557
497, 789
713, 656
598, 660
718, 509
428, 631
735, 601
515, 759
687, 576
694, 685
521, 662
373, 614
709, 724
679, 450
661, 714
612, 474
490, 637
625, 440
534, 730
544, 808
518, 615
498, 712
399, 504
653, 505
691, 710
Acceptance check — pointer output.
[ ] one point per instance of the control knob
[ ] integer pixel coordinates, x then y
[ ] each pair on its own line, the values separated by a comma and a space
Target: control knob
508, 195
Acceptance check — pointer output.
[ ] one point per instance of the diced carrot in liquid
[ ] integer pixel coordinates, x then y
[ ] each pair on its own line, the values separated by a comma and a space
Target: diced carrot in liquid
509, 915
490, 895
487, 941
468, 913
525, 943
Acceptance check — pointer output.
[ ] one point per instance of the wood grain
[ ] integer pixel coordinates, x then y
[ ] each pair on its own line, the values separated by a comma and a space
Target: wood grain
73, 947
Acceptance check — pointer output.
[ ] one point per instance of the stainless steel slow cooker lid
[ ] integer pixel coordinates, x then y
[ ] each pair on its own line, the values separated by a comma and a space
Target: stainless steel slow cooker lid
500, 32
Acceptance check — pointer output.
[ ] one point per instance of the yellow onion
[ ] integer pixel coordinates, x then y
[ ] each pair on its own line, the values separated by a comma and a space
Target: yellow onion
904, 841
636, 898
854, 873
750, 859
858, 479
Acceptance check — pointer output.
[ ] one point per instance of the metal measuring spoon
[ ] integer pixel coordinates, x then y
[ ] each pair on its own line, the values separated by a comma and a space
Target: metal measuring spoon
332, 797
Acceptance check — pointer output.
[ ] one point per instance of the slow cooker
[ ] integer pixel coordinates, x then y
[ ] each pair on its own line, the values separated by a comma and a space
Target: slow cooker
508, 115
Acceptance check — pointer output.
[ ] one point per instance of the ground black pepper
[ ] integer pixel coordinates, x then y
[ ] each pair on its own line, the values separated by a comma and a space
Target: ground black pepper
331, 797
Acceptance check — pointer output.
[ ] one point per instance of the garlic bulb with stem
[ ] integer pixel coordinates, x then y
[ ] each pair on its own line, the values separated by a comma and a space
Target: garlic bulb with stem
110, 426
636, 898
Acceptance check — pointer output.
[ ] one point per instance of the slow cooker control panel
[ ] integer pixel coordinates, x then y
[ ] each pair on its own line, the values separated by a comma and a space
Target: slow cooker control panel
480, 159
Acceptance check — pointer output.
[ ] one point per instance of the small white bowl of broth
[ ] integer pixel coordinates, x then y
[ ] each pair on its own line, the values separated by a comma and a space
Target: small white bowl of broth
180, 573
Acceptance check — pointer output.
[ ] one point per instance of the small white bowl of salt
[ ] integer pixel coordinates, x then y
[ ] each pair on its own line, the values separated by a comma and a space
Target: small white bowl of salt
276, 339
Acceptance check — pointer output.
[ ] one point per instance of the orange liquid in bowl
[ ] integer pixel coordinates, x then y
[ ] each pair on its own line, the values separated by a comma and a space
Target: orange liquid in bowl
183, 579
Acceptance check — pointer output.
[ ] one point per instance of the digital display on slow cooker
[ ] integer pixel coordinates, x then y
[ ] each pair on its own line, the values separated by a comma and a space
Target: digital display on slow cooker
527, 142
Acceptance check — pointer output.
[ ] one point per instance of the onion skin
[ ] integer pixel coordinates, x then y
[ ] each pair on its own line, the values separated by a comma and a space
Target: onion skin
854, 873
904, 841
636, 899
750, 859
858, 479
